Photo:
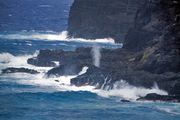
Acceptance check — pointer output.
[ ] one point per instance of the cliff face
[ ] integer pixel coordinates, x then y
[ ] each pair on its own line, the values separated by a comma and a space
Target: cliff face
156, 34
150, 28
102, 18
150, 31
151, 52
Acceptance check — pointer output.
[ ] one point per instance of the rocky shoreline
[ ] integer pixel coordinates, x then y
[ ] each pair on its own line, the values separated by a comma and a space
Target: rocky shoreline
116, 65
18, 70
150, 55
151, 46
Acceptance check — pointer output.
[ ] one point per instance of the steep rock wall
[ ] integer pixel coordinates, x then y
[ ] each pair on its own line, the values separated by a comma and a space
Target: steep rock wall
156, 34
102, 18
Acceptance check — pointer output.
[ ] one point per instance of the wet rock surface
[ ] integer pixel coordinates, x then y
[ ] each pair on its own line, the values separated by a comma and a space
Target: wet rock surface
116, 65
151, 51
156, 97
18, 70
64, 70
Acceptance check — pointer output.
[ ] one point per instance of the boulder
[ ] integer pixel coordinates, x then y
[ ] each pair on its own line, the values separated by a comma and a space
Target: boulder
18, 70
157, 97
93, 76
65, 70
41, 62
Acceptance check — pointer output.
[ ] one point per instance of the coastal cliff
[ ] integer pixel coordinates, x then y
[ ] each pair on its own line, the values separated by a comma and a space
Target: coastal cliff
150, 55
150, 28
150, 32
93, 19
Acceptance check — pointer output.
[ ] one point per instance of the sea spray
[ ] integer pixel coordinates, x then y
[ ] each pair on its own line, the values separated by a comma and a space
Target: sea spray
96, 55
120, 89
9, 60
46, 36
124, 90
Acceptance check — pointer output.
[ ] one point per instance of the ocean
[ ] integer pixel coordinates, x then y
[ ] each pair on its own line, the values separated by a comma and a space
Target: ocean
27, 26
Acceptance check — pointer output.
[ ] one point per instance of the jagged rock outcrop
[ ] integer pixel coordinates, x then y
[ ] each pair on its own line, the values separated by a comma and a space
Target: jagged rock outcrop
115, 65
93, 19
18, 70
47, 58
151, 52
149, 27
152, 36
156, 97
156, 34
68, 69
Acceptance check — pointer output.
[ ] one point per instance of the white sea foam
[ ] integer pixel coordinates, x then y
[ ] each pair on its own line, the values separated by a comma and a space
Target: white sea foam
9, 60
84, 70
45, 6
63, 84
124, 90
29, 44
121, 89
170, 109
63, 36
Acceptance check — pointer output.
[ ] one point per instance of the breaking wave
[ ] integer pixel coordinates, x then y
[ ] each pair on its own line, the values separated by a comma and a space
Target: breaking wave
9, 60
172, 109
121, 89
124, 90
63, 36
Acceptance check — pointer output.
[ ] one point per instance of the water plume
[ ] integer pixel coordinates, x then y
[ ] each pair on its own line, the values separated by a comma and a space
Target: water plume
96, 55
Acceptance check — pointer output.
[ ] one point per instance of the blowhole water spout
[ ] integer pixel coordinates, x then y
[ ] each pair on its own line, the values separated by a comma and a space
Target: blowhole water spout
96, 55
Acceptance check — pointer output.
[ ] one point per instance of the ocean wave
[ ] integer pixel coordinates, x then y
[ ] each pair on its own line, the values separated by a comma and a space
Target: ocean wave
62, 83
121, 89
9, 60
63, 36
124, 90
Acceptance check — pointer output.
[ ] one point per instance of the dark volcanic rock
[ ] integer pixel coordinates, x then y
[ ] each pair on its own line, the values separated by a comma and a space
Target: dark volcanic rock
105, 78
156, 97
41, 62
176, 88
93, 76
46, 58
65, 70
125, 101
19, 70
149, 26
151, 51
116, 65
93, 19
156, 34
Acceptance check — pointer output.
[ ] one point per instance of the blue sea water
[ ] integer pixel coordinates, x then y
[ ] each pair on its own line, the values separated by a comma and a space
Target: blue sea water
27, 26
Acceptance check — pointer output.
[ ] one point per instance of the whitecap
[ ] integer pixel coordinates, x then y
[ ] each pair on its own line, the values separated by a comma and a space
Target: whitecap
9, 60
170, 109
63, 36
121, 89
